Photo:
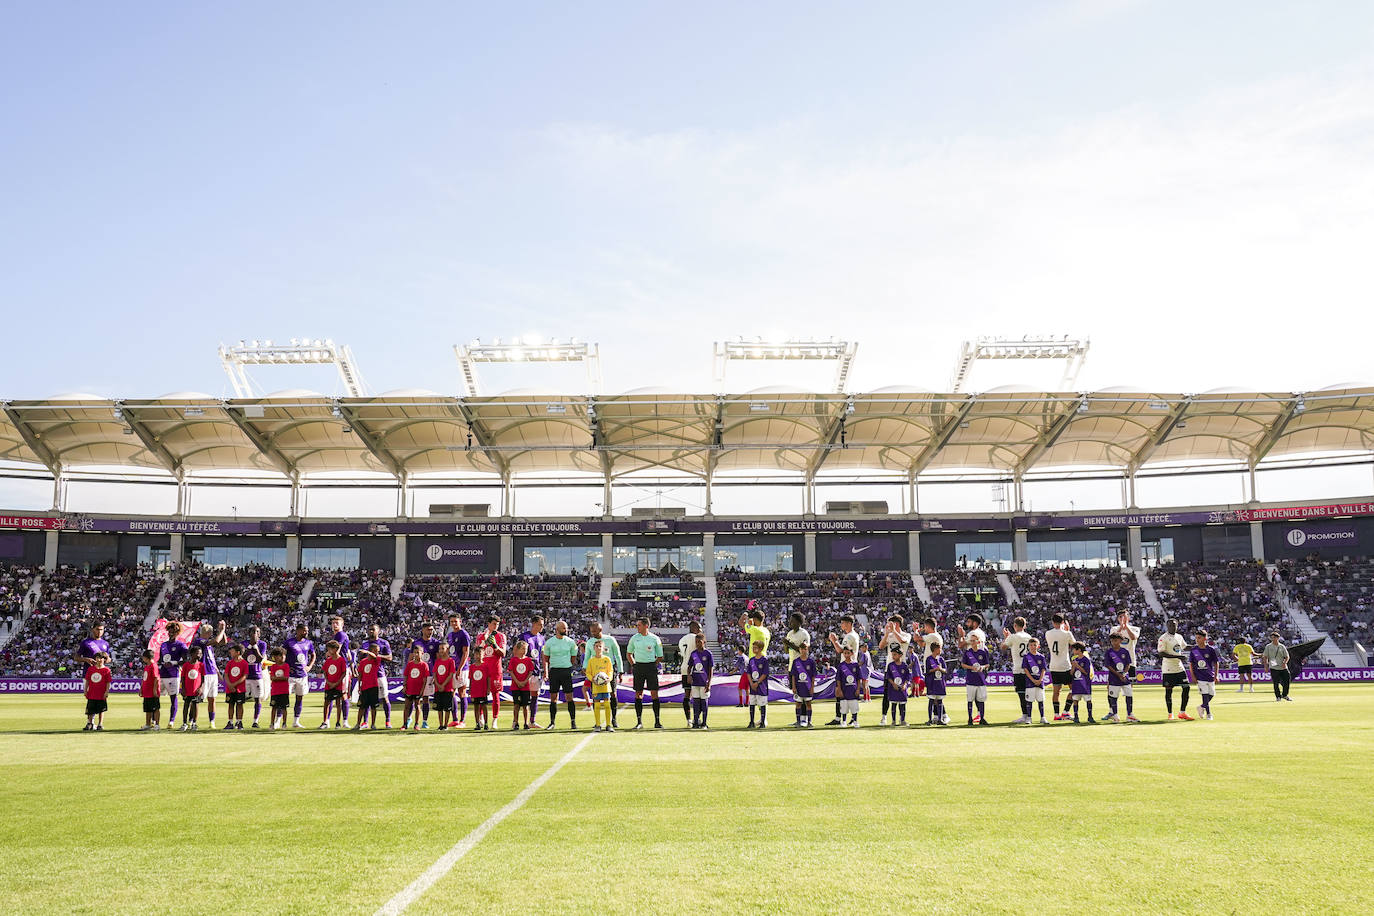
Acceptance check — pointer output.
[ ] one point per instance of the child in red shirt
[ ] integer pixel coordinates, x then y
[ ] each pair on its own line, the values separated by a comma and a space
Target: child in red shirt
192, 689
236, 686
522, 669
416, 675
445, 671
97, 689
369, 692
335, 670
150, 689
279, 673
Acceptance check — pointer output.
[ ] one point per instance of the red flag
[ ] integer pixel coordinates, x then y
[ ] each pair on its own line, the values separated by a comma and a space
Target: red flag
189, 628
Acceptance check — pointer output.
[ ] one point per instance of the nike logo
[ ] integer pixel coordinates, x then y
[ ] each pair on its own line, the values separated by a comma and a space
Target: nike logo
859, 549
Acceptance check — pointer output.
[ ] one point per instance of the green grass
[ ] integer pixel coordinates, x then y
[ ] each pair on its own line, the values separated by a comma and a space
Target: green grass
1269, 808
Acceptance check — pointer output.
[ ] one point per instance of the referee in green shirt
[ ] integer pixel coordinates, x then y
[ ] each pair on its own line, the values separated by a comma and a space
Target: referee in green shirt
645, 651
612, 648
559, 653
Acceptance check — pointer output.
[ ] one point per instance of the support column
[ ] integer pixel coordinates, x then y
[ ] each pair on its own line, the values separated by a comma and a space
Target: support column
507, 552
293, 552
402, 481
182, 494
1134, 557
1130, 490
57, 501
295, 496
1019, 552
913, 552
607, 553
177, 550
400, 572
50, 551
809, 551
708, 553
708, 494
606, 501
1257, 540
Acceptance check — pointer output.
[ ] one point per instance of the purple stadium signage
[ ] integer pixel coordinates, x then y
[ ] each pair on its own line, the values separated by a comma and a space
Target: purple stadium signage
864, 549
1321, 535
163, 526
470, 551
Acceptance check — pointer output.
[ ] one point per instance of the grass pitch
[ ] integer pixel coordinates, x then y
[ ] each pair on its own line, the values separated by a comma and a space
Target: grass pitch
1269, 808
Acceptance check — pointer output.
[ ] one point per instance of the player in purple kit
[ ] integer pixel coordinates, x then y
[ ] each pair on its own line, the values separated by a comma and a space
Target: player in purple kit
428, 645
300, 658
534, 644
803, 678
976, 661
459, 648
848, 675
1081, 691
380, 649
757, 670
1203, 660
170, 655
896, 679
700, 665
255, 653
1033, 665
206, 641
92, 646
935, 685
1119, 665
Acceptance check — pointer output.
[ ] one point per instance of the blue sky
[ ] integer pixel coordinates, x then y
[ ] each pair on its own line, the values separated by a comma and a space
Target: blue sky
1186, 183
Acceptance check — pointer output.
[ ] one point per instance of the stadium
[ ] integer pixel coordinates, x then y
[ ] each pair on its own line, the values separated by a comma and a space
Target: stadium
794, 458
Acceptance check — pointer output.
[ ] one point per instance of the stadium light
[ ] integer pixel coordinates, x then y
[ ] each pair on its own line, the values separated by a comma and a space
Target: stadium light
299, 352
1072, 350
785, 350
528, 349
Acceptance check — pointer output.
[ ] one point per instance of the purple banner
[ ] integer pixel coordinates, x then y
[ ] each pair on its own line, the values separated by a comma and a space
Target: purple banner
162, 526
1320, 536
450, 552
11, 546
860, 549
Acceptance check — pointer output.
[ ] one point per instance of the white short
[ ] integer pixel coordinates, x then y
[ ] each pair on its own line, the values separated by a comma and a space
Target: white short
171, 686
701, 693
383, 688
297, 686
256, 688
849, 707
1207, 688
1116, 692
211, 688
758, 699
429, 687
976, 693
1035, 694
460, 680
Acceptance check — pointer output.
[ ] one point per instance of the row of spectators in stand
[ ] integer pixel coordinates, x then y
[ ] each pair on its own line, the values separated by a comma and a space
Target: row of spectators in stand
74, 599
688, 586
1337, 594
238, 594
956, 592
1231, 601
822, 598
15, 582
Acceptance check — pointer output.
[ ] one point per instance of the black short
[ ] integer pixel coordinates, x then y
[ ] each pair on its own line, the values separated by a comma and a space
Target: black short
151, 704
1244, 669
686, 683
1061, 677
1018, 681
237, 697
333, 693
1130, 672
96, 707
281, 700
1175, 678
646, 676
560, 679
520, 697
370, 698
444, 700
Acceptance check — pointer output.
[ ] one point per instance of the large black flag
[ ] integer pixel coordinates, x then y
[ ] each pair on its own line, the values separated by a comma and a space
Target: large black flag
1299, 653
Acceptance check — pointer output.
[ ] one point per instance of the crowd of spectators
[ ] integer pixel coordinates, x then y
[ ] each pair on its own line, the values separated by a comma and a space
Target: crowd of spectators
240, 595
688, 586
663, 615
1232, 601
956, 592
1337, 594
1091, 598
15, 582
72, 601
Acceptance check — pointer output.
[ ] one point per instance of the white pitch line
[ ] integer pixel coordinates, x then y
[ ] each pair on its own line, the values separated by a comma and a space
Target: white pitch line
445, 863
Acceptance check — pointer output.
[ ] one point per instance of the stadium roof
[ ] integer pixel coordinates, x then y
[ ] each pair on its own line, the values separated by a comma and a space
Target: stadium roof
909, 432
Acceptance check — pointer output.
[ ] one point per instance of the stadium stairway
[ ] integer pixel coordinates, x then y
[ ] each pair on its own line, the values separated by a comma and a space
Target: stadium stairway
25, 608
708, 618
1008, 590
306, 592
1307, 630
607, 583
922, 591
396, 585
1147, 588
159, 602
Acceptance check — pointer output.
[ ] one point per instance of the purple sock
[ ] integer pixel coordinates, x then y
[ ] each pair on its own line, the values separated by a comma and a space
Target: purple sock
300, 705
463, 708
257, 709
